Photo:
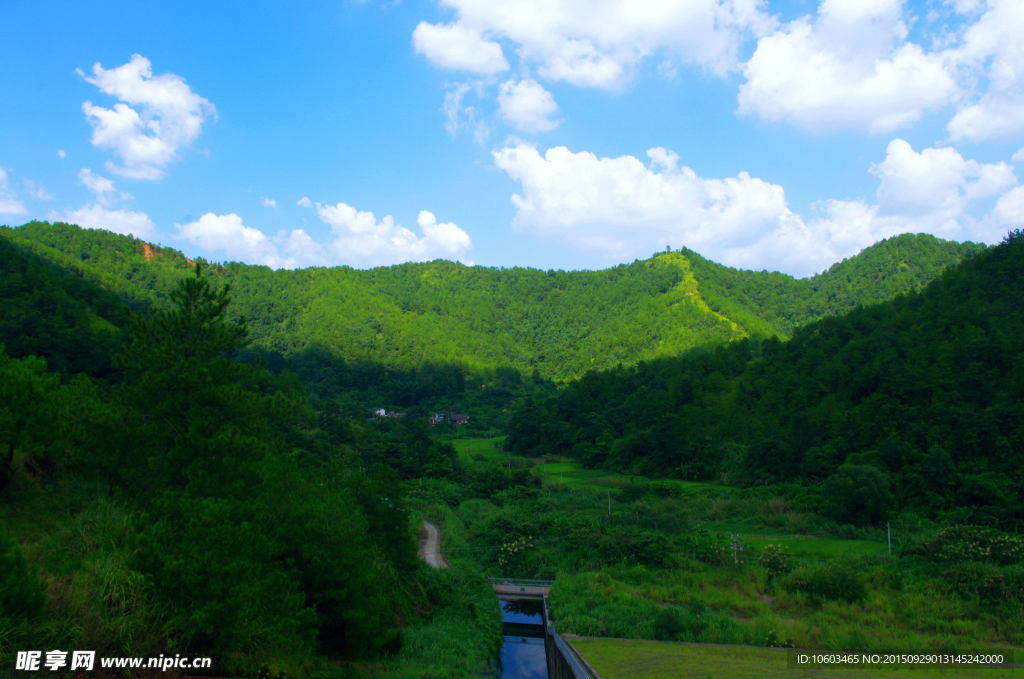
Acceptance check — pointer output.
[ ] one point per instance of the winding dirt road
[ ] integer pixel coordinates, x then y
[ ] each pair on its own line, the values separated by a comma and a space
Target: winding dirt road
430, 546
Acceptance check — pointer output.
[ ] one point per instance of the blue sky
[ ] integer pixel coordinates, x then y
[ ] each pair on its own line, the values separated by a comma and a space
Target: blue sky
548, 133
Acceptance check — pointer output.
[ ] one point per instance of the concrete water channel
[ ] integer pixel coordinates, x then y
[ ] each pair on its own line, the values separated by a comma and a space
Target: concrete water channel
531, 648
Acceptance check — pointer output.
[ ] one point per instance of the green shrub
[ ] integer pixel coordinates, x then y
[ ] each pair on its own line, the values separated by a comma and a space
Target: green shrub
989, 583
834, 581
682, 624
22, 593
775, 560
974, 543
858, 494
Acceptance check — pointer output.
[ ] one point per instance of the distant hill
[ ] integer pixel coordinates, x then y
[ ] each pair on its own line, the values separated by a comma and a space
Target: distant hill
928, 388
555, 324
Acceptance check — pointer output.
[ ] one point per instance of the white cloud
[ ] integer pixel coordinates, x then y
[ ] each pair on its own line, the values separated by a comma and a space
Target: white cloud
609, 203
934, 186
458, 47
268, 202
9, 203
357, 238
994, 44
851, 67
101, 186
1018, 157
527, 106
596, 43
461, 116
361, 240
98, 215
447, 237
305, 202
620, 207
1007, 214
227, 233
10, 206
61, 153
167, 116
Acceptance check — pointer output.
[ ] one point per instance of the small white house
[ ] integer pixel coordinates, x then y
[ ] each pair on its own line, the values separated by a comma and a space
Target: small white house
379, 412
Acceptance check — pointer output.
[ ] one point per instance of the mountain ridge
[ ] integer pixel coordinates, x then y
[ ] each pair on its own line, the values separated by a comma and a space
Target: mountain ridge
557, 323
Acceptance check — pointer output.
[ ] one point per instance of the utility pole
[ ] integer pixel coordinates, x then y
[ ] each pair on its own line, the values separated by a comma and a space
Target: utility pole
735, 558
888, 529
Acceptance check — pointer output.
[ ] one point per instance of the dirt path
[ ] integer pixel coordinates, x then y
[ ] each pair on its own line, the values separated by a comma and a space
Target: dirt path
430, 546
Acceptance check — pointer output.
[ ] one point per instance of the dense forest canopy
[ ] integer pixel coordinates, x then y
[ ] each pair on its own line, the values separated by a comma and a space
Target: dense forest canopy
557, 323
927, 390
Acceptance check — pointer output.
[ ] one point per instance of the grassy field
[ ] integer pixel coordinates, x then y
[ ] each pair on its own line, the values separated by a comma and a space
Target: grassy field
469, 448
627, 659
569, 474
808, 546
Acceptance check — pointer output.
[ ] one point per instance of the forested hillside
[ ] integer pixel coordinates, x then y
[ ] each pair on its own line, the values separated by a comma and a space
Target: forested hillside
169, 499
922, 394
558, 324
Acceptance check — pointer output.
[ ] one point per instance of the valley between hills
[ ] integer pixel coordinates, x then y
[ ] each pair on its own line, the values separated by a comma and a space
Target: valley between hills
191, 461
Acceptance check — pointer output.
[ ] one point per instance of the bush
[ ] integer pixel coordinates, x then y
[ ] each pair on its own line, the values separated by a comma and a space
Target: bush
989, 583
858, 494
682, 624
774, 560
974, 543
22, 594
833, 581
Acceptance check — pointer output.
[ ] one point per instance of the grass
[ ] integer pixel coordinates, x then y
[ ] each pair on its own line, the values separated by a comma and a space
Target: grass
470, 447
572, 475
567, 473
806, 546
628, 659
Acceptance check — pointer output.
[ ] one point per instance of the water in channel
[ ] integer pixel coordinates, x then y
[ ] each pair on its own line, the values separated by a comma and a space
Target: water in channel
522, 653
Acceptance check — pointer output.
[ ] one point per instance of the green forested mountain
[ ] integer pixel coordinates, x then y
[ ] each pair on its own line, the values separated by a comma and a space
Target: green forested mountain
163, 493
926, 389
558, 324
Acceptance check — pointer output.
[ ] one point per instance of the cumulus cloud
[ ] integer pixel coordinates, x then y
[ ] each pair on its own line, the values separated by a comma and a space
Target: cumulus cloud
934, 186
1007, 214
268, 202
994, 45
61, 153
621, 207
157, 116
594, 44
362, 240
357, 238
527, 106
304, 202
227, 233
9, 203
458, 47
850, 67
98, 214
